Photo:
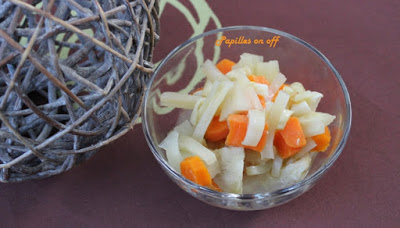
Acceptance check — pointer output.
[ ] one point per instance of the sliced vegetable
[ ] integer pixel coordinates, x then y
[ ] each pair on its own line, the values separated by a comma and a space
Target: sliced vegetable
253, 98
289, 174
263, 141
259, 169
312, 98
192, 146
307, 148
239, 75
276, 165
244, 123
171, 147
268, 106
258, 79
302, 96
253, 158
195, 116
261, 89
225, 65
220, 90
273, 120
325, 118
237, 133
268, 69
293, 133
250, 60
262, 101
322, 141
283, 149
287, 89
277, 83
237, 129
295, 171
240, 99
284, 118
177, 100
276, 94
194, 169
297, 87
217, 130
212, 73
208, 85
312, 127
300, 108
231, 160
214, 169
255, 128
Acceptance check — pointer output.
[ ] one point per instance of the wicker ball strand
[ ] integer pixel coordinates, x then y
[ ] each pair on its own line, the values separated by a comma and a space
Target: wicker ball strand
72, 78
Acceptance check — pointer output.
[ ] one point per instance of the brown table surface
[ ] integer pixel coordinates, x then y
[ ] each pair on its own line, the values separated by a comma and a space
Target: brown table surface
122, 185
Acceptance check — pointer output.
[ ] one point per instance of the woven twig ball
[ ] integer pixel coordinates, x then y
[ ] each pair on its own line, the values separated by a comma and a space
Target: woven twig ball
72, 76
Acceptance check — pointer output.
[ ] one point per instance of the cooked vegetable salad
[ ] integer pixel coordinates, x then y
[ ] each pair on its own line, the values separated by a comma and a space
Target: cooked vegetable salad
248, 132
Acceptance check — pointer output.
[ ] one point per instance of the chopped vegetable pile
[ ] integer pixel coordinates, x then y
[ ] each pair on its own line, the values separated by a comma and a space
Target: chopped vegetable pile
248, 132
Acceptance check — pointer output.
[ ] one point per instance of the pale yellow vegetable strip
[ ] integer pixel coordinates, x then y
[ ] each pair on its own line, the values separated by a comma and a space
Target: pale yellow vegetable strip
187, 143
213, 89
276, 165
273, 119
249, 60
177, 100
194, 117
239, 75
300, 109
312, 127
297, 87
268, 69
261, 89
307, 148
284, 119
277, 82
253, 98
212, 73
207, 88
221, 90
231, 160
255, 127
171, 147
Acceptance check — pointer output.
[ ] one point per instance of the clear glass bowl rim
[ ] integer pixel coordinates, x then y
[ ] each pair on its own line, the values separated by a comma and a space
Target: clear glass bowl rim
203, 190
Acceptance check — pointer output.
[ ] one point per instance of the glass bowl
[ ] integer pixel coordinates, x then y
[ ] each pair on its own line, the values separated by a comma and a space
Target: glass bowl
298, 61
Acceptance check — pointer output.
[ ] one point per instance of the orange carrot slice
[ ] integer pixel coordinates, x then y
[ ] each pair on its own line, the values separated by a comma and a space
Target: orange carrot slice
225, 65
237, 132
293, 133
322, 140
284, 150
194, 169
258, 79
237, 129
217, 130
276, 94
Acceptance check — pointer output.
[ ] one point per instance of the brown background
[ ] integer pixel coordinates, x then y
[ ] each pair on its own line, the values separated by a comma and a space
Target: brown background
123, 185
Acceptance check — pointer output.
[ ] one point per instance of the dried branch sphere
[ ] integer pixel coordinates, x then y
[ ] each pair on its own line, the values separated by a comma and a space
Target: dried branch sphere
72, 76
